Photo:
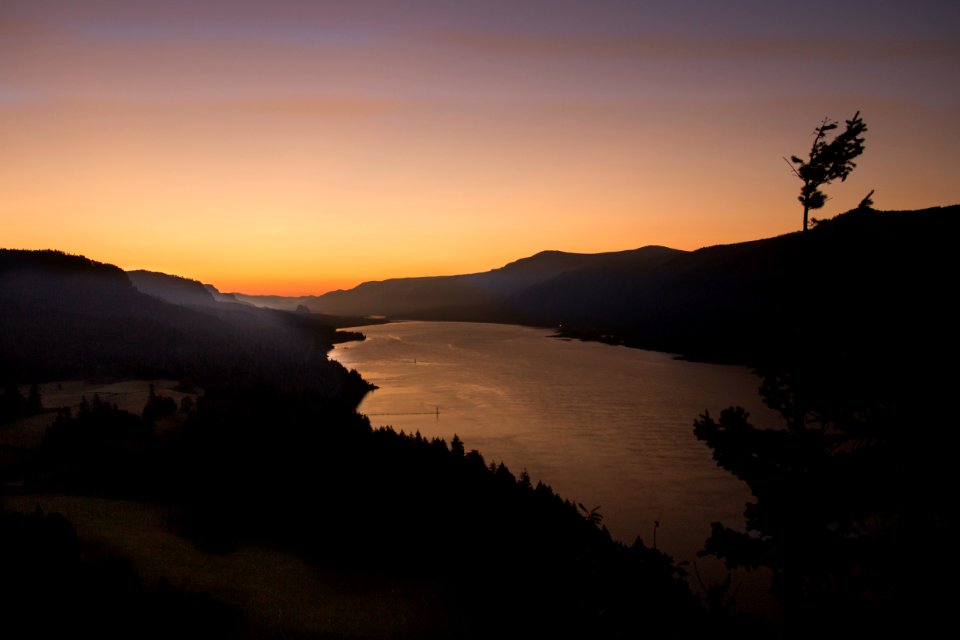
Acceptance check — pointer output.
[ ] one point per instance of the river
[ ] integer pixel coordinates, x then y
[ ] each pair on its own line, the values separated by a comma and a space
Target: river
606, 426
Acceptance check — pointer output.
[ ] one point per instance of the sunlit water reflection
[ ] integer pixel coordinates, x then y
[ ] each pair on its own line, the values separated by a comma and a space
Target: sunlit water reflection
605, 426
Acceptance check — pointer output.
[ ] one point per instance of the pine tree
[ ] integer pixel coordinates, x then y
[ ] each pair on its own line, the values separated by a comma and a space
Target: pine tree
827, 161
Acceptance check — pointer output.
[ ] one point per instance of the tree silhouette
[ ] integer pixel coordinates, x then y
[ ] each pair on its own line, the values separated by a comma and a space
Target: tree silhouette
593, 516
848, 512
827, 161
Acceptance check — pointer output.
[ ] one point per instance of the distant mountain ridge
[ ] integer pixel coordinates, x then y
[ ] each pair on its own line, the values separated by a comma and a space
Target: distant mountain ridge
475, 296
171, 288
848, 281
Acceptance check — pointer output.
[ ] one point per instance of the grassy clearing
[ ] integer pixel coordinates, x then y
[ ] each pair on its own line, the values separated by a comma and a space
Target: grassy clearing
129, 395
278, 594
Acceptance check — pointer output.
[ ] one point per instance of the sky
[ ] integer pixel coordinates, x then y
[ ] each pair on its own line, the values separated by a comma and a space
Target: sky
293, 146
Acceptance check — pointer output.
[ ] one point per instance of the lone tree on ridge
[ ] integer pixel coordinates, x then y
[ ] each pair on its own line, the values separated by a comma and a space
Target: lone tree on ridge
827, 161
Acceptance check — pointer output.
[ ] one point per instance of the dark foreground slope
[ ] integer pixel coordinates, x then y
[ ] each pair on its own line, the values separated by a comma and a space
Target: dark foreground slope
853, 511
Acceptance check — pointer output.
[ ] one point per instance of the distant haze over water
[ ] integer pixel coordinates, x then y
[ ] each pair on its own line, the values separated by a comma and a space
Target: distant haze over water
605, 426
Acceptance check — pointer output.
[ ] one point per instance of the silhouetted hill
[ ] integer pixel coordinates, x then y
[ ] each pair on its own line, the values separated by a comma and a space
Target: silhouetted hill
863, 280
173, 289
65, 316
244, 318
476, 296
518, 276
548, 264
45, 280
66, 313
855, 280
221, 297
283, 303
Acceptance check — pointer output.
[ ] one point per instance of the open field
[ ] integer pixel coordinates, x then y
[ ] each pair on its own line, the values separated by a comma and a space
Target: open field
129, 395
278, 594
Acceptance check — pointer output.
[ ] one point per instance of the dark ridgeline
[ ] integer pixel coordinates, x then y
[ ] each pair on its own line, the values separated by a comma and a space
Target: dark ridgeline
866, 277
272, 452
474, 297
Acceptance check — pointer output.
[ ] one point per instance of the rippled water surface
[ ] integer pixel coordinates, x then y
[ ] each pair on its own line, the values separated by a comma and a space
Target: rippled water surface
605, 426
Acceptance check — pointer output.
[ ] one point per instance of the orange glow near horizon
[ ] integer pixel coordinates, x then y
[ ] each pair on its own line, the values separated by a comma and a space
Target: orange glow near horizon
294, 149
